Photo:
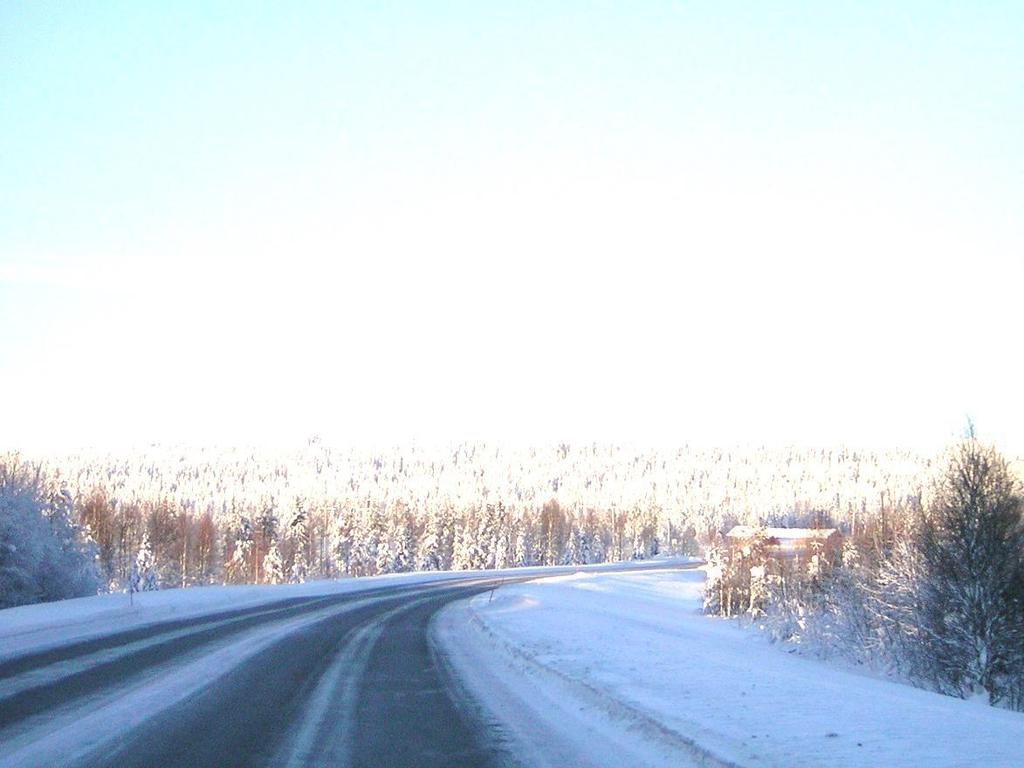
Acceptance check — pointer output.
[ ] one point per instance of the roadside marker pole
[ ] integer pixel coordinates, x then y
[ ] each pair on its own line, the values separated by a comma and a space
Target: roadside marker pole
491, 596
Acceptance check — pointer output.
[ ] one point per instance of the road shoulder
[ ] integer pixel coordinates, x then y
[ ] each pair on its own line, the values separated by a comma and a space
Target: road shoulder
613, 669
542, 717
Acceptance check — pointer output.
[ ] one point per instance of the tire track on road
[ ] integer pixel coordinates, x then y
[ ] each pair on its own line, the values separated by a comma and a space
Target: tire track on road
86, 732
60, 683
312, 696
58, 652
32, 684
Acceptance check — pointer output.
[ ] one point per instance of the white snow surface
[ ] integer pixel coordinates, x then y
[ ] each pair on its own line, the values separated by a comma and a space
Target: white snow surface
595, 669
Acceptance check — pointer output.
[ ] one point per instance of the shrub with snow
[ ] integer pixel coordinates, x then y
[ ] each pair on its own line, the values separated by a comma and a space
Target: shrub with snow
43, 554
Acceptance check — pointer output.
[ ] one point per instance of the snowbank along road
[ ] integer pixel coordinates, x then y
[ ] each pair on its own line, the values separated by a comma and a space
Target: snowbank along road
595, 670
348, 679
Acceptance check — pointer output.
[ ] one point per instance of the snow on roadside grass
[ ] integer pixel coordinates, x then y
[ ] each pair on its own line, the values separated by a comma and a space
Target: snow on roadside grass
640, 640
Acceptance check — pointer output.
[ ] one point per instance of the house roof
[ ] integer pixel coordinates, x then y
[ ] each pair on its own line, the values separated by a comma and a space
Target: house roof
782, 534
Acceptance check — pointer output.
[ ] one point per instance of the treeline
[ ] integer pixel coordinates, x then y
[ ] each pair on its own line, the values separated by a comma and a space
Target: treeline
708, 488
112, 544
934, 594
167, 516
181, 517
268, 544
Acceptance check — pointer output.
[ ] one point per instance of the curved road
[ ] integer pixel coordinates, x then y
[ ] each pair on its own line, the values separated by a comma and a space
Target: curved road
342, 680
335, 680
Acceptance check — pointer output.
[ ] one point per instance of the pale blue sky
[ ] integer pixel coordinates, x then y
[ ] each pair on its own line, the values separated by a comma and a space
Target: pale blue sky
713, 222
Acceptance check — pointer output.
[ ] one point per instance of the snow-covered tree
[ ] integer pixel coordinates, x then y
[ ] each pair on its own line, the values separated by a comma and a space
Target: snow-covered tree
467, 554
446, 536
759, 593
265, 534
402, 548
487, 539
371, 535
343, 544
240, 544
972, 552
299, 571
553, 530
738, 576
428, 556
273, 565
578, 550
385, 560
715, 597
297, 539
145, 567
524, 546
43, 554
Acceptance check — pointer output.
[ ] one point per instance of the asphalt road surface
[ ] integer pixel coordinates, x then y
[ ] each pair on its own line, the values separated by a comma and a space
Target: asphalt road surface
346, 680
343, 680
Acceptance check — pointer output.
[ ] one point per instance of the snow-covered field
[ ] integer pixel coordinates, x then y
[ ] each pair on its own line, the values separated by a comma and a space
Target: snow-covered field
614, 669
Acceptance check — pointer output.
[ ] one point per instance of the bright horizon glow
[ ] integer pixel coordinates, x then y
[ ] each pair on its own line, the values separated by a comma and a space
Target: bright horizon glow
662, 223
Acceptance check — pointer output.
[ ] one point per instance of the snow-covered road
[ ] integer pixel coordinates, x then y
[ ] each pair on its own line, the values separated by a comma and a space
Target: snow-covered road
335, 673
622, 669
602, 667
338, 680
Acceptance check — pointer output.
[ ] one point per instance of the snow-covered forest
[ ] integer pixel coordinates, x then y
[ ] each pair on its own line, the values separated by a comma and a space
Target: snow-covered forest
185, 516
934, 594
929, 579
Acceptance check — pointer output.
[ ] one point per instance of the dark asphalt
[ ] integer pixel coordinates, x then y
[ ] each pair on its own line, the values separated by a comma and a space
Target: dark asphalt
357, 685
98, 676
407, 712
403, 712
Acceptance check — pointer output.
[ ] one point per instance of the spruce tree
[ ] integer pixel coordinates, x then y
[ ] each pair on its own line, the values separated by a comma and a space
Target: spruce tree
972, 550
145, 567
273, 565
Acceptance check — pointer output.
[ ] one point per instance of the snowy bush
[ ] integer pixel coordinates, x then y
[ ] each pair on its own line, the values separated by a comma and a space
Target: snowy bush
43, 554
738, 578
951, 597
936, 597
